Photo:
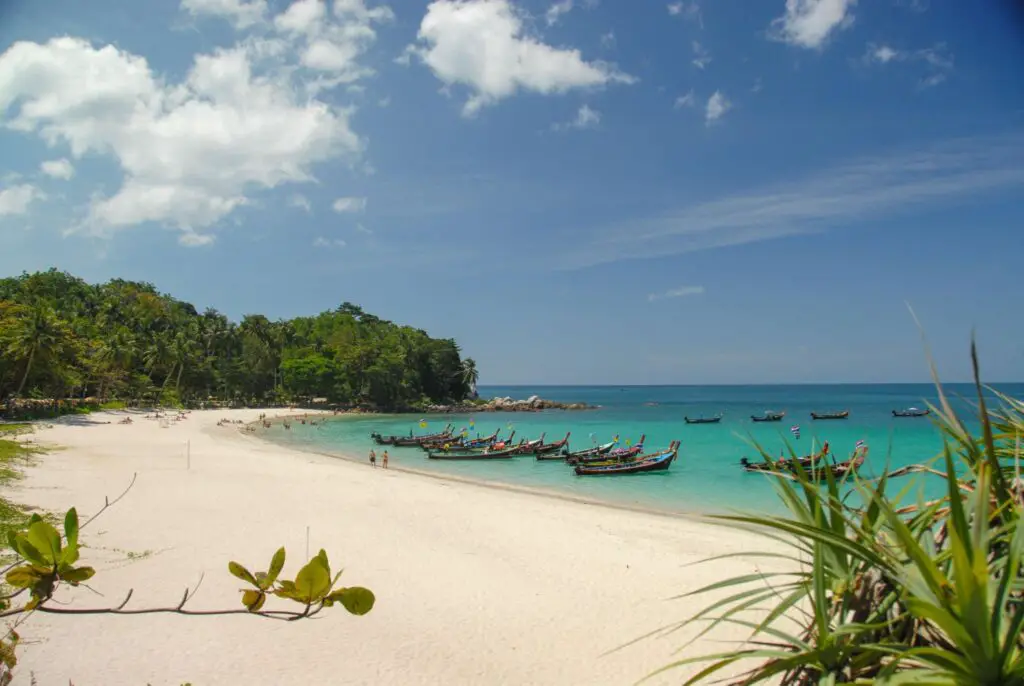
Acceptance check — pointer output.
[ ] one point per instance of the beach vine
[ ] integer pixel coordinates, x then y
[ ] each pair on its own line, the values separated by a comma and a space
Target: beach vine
46, 560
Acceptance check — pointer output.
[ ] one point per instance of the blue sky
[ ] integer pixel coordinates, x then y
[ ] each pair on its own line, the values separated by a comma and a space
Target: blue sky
594, 191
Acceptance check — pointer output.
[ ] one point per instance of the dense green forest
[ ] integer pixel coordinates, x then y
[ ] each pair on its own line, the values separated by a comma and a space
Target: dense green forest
61, 337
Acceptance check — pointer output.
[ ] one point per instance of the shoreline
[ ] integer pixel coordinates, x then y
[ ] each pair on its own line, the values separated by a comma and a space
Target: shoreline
690, 515
475, 582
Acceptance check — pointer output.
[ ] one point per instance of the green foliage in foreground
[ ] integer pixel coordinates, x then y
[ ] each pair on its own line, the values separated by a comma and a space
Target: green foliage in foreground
47, 560
884, 592
63, 338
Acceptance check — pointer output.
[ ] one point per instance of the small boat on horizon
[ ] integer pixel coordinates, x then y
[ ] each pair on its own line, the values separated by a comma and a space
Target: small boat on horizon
653, 462
830, 415
911, 412
768, 416
703, 420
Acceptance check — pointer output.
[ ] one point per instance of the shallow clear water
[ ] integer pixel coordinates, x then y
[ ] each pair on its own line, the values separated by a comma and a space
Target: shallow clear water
707, 476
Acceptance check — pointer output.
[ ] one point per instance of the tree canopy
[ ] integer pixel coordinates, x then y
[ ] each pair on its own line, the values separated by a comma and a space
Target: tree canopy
62, 337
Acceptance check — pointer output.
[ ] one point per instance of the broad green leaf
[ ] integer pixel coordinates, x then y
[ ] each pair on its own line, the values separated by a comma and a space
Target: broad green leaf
29, 551
241, 572
356, 599
253, 600
71, 528
23, 576
323, 559
312, 582
276, 565
45, 539
78, 575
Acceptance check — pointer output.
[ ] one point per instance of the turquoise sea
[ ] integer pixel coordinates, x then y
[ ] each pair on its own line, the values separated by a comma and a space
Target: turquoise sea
707, 476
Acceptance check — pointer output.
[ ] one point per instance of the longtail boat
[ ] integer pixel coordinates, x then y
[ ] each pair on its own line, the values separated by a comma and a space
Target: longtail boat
837, 471
524, 447
703, 420
549, 448
652, 462
596, 450
410, 439
615, 455
768, 416
462, 442
486, 454
910, 412
830, 415
786, 463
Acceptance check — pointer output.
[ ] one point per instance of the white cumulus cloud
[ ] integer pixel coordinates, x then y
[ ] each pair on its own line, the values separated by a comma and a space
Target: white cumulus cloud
717, 106
349, 205
58, 169
809, 23
299, 201
321, 242
482, 44
16, 199
191, 152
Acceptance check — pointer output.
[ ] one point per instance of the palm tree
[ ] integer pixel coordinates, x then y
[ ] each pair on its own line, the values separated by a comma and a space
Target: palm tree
37, 336
470, 375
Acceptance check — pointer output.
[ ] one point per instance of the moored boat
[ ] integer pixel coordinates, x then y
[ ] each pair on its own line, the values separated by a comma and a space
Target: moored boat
837, 471
703, 420
485, 454
830, 415
653, 462
786, 463
549, 448
910, 412
458, 442
768, 416
410, 439
612, 456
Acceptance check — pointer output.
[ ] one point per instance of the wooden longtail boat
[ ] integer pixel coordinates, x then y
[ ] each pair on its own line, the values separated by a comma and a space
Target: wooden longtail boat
703, 420
486, 454
768, 417
466, 443
653, 462
838, 471
548, 448
786, 463
830, 415
524, 447
410, 439
612, 456
596, 450
910, 412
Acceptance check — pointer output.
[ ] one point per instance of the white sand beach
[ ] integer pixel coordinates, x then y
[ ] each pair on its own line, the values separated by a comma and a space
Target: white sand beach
474, 585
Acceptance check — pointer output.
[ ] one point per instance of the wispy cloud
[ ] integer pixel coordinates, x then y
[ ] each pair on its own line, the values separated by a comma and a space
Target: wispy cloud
608, 40
586, 118
688, 100
556, 11
865, 188
350, 204
58, 169
321, 242
687, 10
301, 202
716, 108
937, 60
680, 292
701, 57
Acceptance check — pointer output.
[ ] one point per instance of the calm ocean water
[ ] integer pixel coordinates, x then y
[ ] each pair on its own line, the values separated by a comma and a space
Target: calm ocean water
707, 476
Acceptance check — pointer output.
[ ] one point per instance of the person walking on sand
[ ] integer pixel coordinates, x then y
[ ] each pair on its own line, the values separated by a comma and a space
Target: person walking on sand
384, 460
373, 458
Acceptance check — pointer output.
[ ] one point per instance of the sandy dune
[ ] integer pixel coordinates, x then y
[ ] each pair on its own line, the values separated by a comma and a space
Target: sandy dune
475, 585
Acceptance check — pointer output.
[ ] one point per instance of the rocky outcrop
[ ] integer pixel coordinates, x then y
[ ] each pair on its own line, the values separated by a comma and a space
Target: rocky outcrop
532, 404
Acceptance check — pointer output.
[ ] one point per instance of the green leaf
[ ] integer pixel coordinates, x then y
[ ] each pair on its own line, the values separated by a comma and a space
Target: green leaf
356, 599
71, 528
313, 581
45, 539
253, 600
28, 551
242, 573
323, 559
276, 565
78, 575
23, 576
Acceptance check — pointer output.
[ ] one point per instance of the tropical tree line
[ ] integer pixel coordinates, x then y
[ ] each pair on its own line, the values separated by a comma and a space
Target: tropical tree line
61, 337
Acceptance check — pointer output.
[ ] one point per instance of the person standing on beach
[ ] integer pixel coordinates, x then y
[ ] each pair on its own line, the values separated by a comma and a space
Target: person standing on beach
373, 458
384, 460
